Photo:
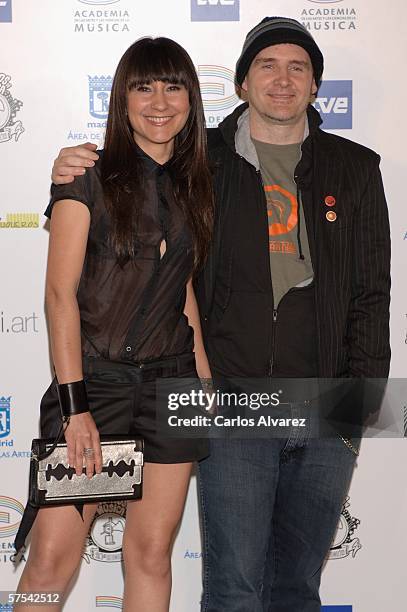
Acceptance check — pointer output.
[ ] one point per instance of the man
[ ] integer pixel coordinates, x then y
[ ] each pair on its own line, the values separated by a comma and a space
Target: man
296, 287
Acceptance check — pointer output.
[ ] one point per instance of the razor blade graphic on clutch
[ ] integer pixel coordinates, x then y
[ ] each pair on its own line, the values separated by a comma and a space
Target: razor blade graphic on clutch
53, 481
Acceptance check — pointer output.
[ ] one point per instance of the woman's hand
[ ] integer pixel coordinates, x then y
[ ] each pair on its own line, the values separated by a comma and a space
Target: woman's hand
81, 434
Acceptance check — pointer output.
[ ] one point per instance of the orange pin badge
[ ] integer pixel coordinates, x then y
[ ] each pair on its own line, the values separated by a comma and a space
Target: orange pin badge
330, 216
330, 200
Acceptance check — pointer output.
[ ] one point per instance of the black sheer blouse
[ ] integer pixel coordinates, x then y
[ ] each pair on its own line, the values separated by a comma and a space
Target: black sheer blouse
133, 312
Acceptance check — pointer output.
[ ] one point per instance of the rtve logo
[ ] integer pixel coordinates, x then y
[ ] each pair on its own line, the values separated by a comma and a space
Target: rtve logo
334, 103
5, 11
215, 10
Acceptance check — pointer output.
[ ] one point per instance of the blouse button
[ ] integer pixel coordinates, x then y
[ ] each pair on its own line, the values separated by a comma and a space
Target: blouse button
128, 348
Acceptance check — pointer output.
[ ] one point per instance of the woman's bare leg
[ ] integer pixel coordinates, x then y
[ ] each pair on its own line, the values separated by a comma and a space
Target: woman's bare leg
151, 524
58, 536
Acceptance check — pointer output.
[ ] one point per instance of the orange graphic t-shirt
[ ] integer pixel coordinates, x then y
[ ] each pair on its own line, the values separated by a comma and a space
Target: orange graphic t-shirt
277, 165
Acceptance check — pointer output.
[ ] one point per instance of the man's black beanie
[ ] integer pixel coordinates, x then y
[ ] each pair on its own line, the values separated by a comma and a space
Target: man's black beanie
276, 31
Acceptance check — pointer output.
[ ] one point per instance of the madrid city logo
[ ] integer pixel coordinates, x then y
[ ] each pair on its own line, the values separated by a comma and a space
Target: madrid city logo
218, 92
5, 416
344, 543
9, 107
105, 538
99, 90
99, 96
7, 449
215, 10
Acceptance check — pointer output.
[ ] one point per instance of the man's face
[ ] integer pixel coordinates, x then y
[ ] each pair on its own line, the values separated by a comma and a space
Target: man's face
280, 84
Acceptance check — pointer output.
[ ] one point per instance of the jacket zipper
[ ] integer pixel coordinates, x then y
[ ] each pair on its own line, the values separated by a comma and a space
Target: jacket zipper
272, 351
272, 347
273, 341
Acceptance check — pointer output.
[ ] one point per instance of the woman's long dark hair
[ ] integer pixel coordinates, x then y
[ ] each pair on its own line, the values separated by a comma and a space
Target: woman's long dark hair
148, 60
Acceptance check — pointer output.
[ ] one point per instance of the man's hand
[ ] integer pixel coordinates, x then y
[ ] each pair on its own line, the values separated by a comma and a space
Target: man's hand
73, 161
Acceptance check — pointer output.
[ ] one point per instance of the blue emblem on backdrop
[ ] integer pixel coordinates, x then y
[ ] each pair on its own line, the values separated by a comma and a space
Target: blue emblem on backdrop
5, 11
336, 609
335, 102
99, 96
215, 10
4, 416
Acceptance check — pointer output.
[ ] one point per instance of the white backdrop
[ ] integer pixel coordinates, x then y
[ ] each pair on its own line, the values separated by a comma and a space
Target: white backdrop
56, 62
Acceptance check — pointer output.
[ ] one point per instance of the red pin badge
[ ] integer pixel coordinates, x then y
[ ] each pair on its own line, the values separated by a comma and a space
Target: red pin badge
330, 200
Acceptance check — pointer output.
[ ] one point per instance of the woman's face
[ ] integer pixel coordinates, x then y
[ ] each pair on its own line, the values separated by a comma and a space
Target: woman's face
157, 113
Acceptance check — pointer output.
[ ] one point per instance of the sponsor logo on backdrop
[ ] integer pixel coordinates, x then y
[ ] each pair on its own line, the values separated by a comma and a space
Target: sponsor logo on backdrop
5, 417
99, 89
20, 220
7, 450
99, 96
336, 608
109, 601
98, 16
104, 541
191, 554
99, 2
18, 324
9, 107
11, 511
335, 104
215, 10
333, 15
218, 92
5, 11
344, 543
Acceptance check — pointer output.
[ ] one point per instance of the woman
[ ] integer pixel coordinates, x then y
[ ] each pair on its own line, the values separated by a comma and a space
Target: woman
125, 240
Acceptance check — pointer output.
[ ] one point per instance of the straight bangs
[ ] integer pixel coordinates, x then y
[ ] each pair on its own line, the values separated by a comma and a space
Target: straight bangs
145, 61
158, 59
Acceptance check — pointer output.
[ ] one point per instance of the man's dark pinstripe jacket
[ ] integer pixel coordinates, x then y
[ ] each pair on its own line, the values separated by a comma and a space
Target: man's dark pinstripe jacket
350, 257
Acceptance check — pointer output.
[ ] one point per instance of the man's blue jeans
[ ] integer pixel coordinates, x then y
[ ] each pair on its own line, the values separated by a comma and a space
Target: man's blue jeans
270, 508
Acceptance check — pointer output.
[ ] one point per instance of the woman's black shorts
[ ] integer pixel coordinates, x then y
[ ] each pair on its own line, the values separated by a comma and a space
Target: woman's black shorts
122, 400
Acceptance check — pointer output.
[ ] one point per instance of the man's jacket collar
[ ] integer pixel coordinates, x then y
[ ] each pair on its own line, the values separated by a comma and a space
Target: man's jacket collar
235, 129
